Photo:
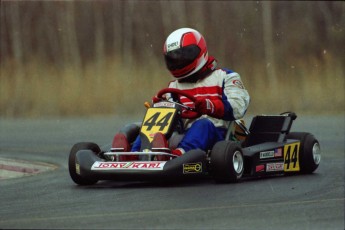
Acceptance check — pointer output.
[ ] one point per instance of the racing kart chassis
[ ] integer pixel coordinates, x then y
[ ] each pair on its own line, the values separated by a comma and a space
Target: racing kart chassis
269, 148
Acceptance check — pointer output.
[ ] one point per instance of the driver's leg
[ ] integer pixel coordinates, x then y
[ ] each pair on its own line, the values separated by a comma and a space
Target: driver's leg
136, 144
202, 134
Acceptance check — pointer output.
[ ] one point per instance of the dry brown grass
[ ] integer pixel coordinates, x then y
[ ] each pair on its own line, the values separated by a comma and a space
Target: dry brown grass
37, 89
304, 86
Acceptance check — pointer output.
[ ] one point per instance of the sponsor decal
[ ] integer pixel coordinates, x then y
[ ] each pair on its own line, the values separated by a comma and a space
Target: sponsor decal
164, 104
77, 168
266, 154
238, 83
278, 152
192, 168
139, 165
260, 168
172, 46
275, 167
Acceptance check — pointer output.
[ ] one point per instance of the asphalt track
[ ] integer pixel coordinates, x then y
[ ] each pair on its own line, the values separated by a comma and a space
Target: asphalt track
50, 200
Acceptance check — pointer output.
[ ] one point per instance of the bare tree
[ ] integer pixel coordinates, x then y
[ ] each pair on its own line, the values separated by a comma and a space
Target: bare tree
70, 45
50, 28
99, 39
268, 43
117, 9
17, 46
166, 16
127, 32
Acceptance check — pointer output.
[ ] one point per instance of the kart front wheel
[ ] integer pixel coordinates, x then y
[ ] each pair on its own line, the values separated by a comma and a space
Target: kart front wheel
73, 165
310, 151
227, 162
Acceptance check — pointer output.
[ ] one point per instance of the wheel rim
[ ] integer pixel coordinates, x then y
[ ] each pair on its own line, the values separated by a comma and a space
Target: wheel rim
316, 153
238, 162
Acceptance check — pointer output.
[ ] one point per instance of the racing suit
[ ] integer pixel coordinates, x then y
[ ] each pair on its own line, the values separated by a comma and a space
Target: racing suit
225, 89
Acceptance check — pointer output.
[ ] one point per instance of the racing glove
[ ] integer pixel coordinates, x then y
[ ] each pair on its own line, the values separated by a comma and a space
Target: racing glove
213, 108
155, 99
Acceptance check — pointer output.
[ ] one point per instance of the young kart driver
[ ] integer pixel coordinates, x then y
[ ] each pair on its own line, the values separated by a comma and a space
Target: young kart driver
219, 92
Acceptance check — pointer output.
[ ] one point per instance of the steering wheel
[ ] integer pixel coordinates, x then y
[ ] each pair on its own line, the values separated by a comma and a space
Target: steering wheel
190, 113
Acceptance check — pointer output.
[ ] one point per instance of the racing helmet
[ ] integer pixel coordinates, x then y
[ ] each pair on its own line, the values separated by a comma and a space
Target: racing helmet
185, 52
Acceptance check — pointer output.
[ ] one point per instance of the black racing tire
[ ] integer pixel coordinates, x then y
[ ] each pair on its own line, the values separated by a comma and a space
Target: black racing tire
310, 152
227, 162
73, 165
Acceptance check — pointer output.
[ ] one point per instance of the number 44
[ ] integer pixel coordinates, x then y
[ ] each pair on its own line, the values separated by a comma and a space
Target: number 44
162, 123
291, 161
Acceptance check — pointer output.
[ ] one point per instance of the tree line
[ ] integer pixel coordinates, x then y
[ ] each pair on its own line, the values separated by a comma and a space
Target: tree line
56, 49
76, 32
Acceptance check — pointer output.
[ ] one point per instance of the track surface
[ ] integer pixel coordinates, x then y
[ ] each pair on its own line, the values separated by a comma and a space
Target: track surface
51, 200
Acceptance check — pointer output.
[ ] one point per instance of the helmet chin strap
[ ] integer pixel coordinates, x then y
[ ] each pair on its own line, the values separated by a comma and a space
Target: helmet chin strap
208, 68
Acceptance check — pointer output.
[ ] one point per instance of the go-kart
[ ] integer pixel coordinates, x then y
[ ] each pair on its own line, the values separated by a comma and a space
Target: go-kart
267, 148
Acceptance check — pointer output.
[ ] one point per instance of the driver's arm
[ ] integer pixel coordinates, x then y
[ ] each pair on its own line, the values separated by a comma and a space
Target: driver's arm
235, 97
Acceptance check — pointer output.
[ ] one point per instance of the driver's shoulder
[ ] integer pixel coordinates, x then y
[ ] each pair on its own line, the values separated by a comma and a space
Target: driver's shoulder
224, 72
219, 76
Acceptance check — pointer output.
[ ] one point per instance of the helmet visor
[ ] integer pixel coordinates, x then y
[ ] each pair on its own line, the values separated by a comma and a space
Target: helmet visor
180, 58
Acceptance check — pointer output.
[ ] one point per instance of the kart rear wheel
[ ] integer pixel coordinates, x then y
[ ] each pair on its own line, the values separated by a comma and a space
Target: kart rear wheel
310, 151
74, 166
227, 162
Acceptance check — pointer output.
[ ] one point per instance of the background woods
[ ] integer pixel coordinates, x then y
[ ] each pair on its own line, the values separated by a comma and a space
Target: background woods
104, 57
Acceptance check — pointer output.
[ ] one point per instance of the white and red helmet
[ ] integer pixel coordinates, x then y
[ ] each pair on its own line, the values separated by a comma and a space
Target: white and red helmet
185, 52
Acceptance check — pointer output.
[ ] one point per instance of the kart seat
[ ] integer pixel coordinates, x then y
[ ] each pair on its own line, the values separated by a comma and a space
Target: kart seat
268, 128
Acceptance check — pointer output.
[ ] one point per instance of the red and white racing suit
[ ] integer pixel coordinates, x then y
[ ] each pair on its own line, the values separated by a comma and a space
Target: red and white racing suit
224, 85
230, 99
